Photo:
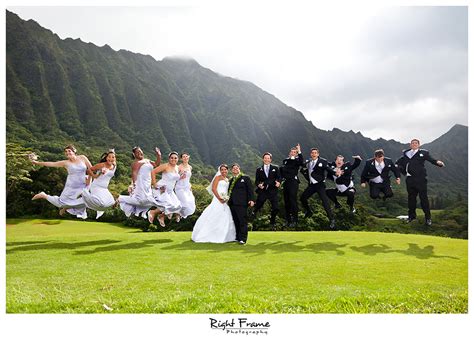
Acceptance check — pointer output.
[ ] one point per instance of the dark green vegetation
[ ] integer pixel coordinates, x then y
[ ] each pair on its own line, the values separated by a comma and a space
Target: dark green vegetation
62, 91
57, 266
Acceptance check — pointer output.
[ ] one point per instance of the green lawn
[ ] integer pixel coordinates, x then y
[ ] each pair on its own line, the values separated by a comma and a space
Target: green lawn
62, 266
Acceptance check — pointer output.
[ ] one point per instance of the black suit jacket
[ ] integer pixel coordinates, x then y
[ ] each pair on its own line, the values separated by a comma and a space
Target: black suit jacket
319, 171
416, 165
370, 171
242, 192
268, 182
346, 177
289, 169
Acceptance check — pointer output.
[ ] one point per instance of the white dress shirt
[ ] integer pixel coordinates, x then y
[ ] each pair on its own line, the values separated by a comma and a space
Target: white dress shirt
379, 167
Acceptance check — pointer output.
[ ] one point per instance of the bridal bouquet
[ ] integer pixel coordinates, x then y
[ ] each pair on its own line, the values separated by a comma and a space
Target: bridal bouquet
32, 156
224, 196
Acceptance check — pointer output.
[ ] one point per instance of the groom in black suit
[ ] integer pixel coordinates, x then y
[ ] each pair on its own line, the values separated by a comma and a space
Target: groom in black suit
315, 170
267, 179
377, 173
412, 164
240, 198
289, 175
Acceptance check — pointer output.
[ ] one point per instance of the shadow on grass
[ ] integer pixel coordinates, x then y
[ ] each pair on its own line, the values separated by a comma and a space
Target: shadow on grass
319, 247
260, 248
132, 245
326, 247
413, 250
24, 243
33, 221
59, 245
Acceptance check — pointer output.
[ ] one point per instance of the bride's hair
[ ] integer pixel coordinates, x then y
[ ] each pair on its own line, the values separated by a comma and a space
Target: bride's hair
223, 165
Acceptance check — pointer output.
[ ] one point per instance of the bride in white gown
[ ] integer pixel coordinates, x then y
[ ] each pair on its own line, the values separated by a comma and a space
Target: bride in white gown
216, 224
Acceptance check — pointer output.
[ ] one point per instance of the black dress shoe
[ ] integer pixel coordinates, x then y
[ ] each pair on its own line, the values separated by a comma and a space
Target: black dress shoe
332, 224
428, 222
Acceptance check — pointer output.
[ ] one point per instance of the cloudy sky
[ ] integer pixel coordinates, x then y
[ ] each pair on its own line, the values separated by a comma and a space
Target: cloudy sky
389, 72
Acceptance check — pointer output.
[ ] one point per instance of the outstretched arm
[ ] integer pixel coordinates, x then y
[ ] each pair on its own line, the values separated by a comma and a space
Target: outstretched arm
155, 171
61, 163
300, 158
356, 163
433, 161
158, 157
91, 171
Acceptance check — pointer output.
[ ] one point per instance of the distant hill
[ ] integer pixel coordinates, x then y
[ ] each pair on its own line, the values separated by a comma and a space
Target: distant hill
62, 91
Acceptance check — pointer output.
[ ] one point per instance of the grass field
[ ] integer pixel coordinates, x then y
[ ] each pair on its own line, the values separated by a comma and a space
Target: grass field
61, 266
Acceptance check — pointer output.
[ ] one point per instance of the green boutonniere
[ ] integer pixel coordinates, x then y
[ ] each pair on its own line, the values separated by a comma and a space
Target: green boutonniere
234, 180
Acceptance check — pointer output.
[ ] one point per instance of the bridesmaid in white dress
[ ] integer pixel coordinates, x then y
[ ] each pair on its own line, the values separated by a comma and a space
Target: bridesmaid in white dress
165, 197
69, 200
216, 224
141, 198
183, 188
98, 197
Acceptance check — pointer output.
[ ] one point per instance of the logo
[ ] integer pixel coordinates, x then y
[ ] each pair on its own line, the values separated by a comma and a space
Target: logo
240, 326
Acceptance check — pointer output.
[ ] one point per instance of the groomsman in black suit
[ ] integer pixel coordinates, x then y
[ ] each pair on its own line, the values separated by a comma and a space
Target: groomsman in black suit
412, 164
267, 180
314, 170
342, 176
240, 198
289, 174
377, 173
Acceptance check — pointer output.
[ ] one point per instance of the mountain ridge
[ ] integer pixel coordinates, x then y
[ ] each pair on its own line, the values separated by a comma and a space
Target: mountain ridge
71, 90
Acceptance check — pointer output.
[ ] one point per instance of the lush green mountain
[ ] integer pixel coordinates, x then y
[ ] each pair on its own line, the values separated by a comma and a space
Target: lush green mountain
452, 149
69, 91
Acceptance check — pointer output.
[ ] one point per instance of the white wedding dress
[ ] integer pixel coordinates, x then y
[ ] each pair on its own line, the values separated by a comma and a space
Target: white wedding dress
141, 200
164, 194
215, 224
98, 197
185, 195
70, 197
